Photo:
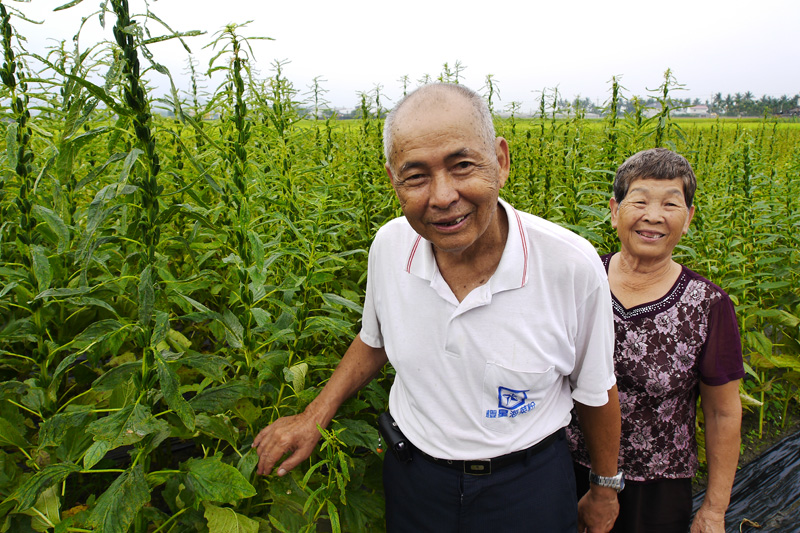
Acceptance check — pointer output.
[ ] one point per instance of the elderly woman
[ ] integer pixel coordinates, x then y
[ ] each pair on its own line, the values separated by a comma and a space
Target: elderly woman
676, 337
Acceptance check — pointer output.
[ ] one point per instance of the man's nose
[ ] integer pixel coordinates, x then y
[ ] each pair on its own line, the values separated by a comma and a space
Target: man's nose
444, 190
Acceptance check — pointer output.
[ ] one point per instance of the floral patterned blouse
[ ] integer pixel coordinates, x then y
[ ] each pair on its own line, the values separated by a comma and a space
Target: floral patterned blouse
663, 350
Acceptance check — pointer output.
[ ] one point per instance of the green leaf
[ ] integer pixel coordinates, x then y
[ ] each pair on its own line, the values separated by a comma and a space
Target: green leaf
330, 299
222, 398
86, 302
97, 332
170, 387
225, 520
53, 429
333, 515
296, 375
95, 453
178, 340
248, 463
160, 329
41, 267
57, 225
233, 329
49, 505
357, 433
218, 427
211, 366
118, 506
10, 435
147, 296
68, 5
759, 343
257, 248
100, 94
27, 493
127, 426
12, 148
116, 376
213, 480
261, 316
769, 285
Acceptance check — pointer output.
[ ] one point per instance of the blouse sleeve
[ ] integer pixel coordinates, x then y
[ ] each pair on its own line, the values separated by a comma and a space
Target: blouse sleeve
721, 360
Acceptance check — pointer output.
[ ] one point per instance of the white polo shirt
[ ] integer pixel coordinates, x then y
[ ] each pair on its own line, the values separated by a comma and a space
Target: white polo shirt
497, 372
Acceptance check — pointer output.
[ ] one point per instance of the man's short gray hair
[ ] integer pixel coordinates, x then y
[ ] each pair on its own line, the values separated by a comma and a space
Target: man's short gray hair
430, 91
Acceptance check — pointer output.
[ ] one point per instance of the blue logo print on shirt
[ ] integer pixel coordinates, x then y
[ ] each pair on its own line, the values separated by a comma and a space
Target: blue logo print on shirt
510, 403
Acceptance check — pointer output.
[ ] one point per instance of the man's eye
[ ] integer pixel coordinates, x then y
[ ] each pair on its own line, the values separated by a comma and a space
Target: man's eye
463, 165
414, 179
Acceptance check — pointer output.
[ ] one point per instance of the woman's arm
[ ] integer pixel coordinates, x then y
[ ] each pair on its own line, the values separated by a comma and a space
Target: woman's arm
722, 411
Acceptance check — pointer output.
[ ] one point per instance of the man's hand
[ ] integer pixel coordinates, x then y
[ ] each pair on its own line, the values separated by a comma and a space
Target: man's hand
598, 510
295, 436
708, 521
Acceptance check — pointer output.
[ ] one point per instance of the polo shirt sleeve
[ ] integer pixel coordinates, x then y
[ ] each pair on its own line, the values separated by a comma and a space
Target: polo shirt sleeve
370, 332
593, 374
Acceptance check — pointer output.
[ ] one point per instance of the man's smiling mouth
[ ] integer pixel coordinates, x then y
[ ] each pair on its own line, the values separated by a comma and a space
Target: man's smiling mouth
452, 222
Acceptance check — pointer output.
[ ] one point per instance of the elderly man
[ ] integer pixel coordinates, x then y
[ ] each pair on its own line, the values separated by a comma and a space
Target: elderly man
494, 321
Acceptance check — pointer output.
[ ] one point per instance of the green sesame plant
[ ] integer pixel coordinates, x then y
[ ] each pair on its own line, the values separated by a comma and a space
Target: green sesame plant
172, 284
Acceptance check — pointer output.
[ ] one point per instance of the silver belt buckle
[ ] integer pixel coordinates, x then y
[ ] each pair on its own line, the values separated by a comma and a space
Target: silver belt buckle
479, 467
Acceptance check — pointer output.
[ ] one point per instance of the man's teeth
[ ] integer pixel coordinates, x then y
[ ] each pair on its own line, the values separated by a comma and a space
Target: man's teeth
456, 221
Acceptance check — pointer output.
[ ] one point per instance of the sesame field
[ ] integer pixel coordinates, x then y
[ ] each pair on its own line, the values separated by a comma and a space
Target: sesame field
176, 273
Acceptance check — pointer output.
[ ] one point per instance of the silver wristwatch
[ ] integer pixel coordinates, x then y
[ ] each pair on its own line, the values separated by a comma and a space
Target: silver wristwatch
614, 482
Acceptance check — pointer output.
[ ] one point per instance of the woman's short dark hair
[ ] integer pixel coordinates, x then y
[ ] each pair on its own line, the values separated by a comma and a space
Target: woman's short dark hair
656, 163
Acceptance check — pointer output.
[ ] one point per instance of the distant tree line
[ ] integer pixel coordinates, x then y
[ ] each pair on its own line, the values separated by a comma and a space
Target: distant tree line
747, 105
736, 105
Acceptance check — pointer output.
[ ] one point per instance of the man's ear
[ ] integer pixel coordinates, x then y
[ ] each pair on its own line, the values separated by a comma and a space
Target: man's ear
389, 173
503, 158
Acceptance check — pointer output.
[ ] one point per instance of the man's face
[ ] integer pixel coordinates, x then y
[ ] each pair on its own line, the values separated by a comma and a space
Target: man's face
446, 177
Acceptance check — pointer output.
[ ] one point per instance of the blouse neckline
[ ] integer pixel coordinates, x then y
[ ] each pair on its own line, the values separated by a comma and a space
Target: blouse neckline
648, 308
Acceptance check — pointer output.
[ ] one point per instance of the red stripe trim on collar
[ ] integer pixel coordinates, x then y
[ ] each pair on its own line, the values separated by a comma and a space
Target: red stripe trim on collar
413, 252
524, 248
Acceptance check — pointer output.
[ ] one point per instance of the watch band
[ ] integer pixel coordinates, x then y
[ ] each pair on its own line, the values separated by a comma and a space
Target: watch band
616, 482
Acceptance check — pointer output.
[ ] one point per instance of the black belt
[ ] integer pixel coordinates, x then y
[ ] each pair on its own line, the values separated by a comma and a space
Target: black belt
479, 467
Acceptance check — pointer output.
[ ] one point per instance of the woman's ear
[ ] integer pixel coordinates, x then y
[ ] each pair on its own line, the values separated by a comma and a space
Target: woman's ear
688, 220
613, 206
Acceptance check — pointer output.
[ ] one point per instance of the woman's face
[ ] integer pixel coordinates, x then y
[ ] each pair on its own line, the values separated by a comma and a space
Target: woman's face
652, 217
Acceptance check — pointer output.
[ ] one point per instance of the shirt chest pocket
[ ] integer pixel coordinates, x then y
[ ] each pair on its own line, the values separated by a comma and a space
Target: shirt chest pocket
511, 397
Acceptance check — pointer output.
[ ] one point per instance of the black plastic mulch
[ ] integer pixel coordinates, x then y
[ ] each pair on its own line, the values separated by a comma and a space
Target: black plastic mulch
766, 492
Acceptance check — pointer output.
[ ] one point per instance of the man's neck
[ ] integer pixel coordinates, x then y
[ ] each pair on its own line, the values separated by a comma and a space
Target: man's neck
474, 266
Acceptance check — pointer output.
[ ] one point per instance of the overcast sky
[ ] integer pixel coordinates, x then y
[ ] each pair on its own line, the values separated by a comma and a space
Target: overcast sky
725, 46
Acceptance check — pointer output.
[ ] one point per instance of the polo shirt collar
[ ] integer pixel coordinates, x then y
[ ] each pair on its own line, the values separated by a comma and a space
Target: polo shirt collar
511, 273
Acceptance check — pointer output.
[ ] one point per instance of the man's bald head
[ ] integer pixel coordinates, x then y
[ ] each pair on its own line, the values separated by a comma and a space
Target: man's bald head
437, 96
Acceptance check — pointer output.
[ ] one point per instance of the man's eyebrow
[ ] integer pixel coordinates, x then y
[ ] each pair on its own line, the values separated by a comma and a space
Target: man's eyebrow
410, 165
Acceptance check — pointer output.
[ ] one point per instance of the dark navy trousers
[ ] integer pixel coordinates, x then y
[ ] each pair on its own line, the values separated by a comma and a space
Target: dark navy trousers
537, 494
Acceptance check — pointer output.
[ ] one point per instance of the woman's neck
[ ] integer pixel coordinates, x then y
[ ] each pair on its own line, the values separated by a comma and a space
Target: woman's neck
635, 281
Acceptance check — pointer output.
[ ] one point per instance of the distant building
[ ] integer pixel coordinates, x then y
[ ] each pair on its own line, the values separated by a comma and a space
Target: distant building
695, 111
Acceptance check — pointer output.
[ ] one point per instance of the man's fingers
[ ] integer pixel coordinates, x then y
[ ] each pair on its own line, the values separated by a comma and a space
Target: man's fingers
267, 460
